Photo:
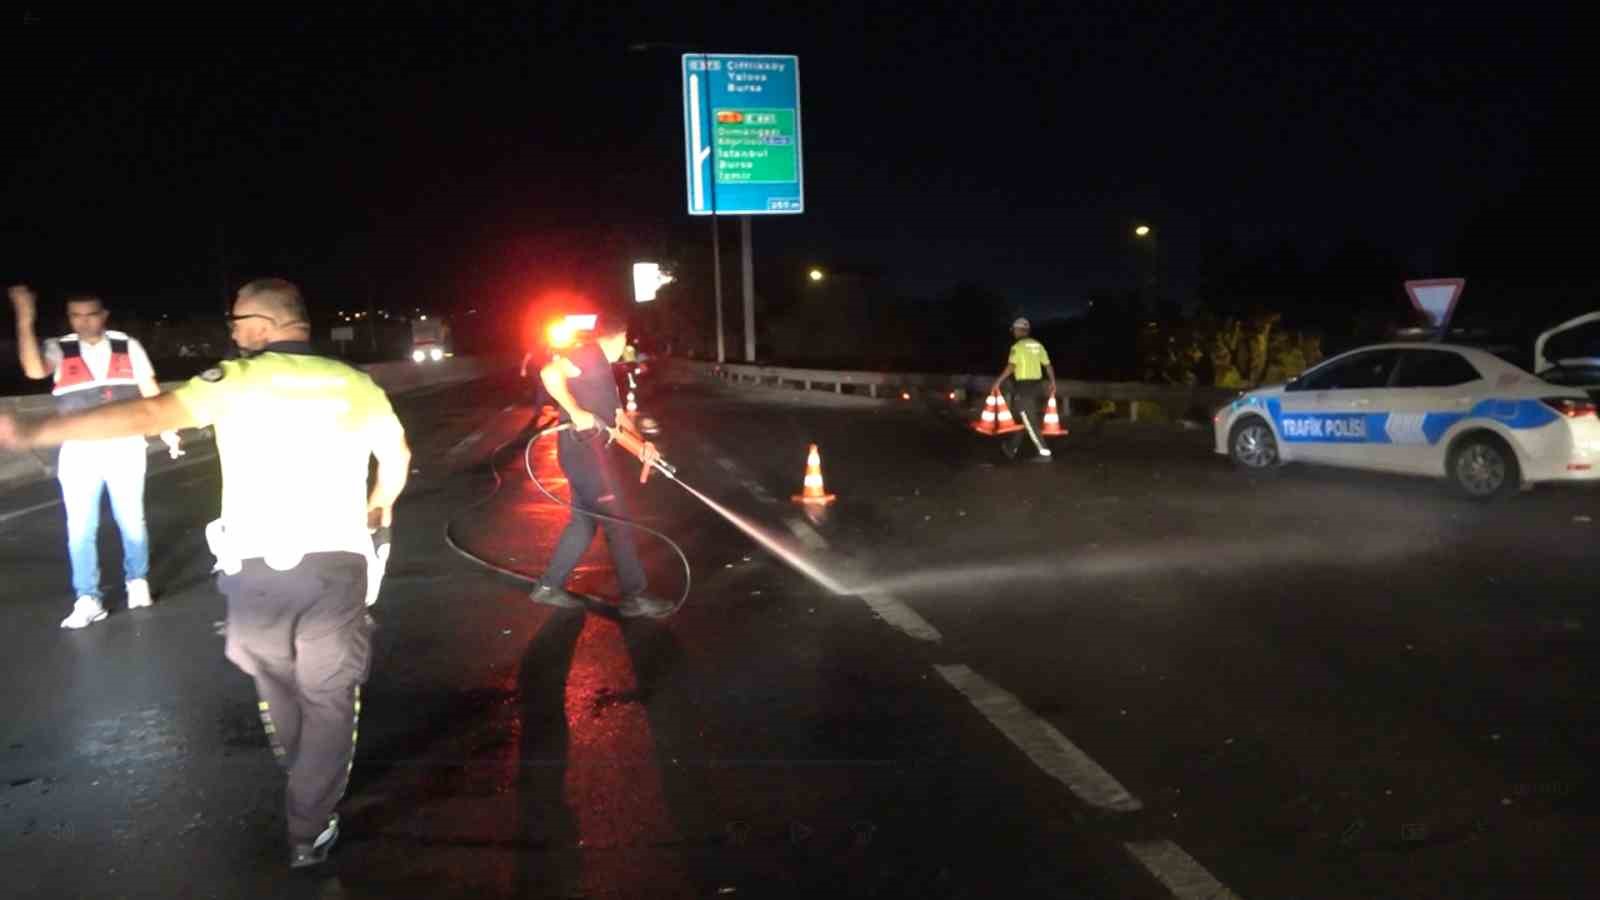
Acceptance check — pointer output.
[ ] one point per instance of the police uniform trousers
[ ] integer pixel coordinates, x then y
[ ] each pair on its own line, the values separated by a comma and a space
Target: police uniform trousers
305, 637
584, 460
1027, 397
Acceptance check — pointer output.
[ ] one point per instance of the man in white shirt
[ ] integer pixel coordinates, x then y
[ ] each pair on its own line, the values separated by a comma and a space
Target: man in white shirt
91, 367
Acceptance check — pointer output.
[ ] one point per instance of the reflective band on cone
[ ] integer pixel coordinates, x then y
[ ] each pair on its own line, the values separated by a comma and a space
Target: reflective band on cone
813, 491
996, 418
1052, 420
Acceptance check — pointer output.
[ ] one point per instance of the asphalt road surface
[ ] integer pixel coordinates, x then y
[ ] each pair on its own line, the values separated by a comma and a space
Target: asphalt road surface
1133, 672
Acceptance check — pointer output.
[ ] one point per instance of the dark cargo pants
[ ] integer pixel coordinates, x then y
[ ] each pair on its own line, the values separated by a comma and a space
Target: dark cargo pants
1027, 397
305, 637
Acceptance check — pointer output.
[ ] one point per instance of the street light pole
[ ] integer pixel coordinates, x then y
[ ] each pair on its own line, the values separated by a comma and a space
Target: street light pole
749, 293
716, 263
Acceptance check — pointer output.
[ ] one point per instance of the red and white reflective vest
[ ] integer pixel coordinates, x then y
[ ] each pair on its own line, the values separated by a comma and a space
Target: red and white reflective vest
76, 387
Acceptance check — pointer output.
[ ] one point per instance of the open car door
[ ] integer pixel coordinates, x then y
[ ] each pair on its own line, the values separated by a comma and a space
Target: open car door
1569, 354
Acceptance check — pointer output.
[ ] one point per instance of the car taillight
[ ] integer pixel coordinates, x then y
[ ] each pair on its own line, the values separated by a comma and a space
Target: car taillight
1571, 407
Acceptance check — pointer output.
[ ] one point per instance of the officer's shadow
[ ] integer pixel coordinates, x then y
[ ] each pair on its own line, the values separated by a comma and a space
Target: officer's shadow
551, 862
556, 862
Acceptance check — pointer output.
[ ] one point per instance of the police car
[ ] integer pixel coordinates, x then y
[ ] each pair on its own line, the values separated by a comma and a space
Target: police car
1444, 410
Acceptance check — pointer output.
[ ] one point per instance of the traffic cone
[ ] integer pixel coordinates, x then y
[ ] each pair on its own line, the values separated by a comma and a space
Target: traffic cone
1003, 418
1052, 420
632, 407
987, 423
996, 418
813, 492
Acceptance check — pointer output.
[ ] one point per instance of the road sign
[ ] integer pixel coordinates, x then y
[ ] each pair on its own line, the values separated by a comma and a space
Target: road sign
648, 278
1436, 299
741, 134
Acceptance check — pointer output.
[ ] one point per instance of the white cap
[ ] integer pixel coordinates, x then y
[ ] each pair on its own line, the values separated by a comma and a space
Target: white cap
1023, 324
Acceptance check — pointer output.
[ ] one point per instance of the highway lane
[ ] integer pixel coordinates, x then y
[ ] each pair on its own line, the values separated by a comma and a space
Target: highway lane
1319, 684
1133, 672
769, 741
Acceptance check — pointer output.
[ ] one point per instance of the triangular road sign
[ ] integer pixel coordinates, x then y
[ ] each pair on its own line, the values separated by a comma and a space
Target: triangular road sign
1436, 299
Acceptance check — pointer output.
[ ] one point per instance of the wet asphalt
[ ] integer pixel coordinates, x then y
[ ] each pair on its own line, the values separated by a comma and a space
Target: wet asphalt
1317, 684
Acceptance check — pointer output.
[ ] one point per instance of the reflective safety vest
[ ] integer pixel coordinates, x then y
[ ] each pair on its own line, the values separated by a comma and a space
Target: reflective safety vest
76, 387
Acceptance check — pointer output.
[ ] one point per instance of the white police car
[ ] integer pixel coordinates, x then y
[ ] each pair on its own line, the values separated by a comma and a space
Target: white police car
1421, 409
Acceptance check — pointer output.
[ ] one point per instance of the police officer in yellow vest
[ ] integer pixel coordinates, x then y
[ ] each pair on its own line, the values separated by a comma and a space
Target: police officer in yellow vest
295, 432
1028, 363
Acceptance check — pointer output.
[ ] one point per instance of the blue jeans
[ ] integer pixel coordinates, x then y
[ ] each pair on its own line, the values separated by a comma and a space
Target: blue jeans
85, 470
594, 487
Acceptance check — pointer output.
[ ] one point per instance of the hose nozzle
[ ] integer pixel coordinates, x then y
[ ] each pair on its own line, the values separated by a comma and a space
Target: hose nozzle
635, 445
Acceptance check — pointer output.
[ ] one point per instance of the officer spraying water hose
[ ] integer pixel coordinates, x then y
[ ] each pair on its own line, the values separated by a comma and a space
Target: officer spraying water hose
581, 383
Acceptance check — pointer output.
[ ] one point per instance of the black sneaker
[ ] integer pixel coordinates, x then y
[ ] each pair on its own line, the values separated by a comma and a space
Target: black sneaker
644, 606
1010, 449
303, 856
554, 596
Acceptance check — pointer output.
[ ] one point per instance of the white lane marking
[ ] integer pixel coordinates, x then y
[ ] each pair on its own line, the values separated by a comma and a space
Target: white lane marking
19, 513
885, 607
464, 443
1178, 871
806, 534
902, 617
1048, 748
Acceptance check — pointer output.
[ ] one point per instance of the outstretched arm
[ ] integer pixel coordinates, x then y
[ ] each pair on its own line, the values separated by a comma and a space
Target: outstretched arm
145, 416
26, 306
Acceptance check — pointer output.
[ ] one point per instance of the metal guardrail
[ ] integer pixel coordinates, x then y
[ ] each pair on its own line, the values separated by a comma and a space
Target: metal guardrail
1136, 400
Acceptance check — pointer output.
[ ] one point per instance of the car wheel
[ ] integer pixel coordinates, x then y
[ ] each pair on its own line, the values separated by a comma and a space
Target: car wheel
1251, 444
1484, 468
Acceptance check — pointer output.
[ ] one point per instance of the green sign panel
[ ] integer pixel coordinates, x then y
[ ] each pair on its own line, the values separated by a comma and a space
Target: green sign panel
756, 146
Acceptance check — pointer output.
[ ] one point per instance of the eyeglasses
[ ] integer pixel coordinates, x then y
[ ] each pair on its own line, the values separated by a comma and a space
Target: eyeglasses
234, 320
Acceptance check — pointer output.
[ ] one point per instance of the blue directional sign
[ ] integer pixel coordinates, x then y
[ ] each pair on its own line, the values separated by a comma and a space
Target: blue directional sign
741, 134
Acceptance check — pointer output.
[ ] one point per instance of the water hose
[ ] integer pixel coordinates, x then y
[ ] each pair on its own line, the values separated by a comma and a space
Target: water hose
629, 443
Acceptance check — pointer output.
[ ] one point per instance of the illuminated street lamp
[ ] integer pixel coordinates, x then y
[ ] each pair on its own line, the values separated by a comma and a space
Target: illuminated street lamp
816, 275
1142, 231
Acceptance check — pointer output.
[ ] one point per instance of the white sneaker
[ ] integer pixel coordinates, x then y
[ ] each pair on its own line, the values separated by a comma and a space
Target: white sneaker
85, 612
139, 594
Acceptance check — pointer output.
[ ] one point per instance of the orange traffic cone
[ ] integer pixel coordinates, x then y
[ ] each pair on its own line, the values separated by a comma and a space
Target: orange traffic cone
996, 418
632, 406
1052, 420
986, 423
813, 491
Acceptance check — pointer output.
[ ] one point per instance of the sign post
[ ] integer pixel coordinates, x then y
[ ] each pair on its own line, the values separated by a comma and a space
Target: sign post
1435, 299
742, 151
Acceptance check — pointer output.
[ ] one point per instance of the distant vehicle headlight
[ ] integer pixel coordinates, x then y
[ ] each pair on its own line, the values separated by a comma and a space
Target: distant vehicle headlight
436, 354
418, 356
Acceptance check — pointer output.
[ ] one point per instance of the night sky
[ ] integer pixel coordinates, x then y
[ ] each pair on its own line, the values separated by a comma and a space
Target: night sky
471, 157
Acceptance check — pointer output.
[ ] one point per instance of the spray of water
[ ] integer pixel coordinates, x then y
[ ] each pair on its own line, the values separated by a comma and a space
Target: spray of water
1202, 557
772, 544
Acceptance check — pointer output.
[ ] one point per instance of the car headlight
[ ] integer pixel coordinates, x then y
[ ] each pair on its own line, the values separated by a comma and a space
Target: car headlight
418, 356
436, 354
